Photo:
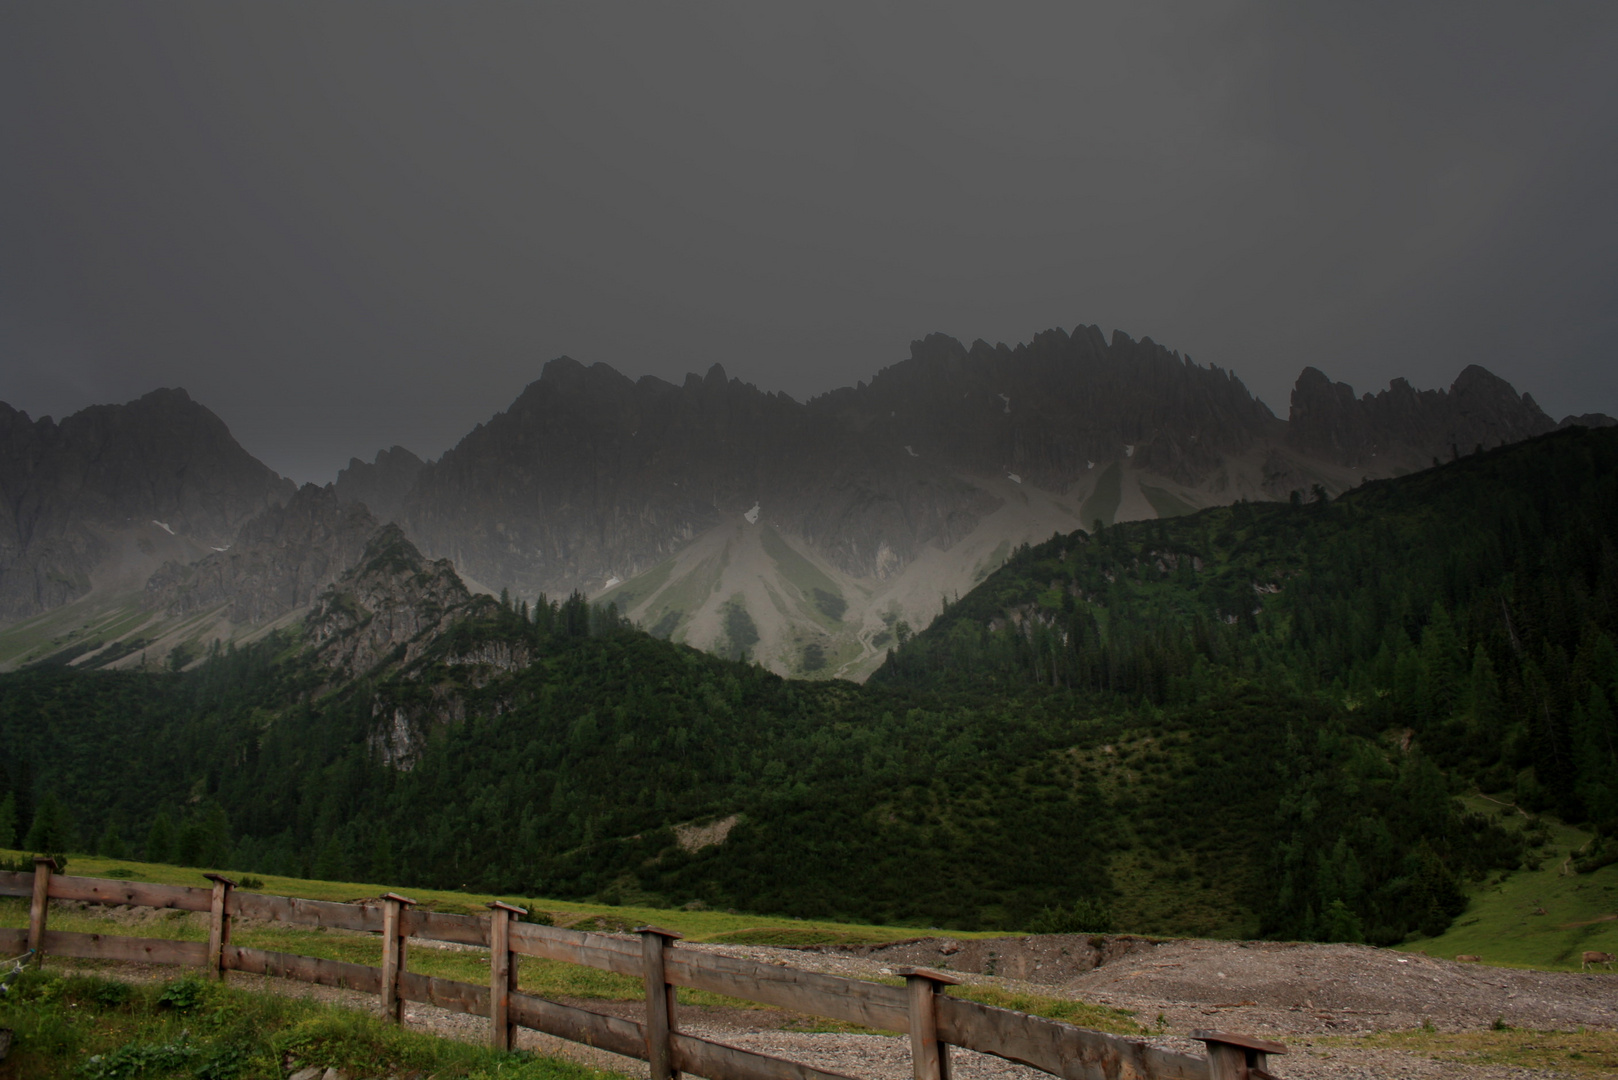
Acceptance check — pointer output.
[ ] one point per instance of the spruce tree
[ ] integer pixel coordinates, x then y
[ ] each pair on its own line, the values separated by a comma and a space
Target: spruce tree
160, 840
51, 831
111, 843
8, 820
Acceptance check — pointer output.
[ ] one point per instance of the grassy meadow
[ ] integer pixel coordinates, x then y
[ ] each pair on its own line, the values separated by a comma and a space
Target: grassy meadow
1540, 916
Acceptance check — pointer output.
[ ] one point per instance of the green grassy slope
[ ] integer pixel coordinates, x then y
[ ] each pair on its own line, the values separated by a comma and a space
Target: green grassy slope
1540, 918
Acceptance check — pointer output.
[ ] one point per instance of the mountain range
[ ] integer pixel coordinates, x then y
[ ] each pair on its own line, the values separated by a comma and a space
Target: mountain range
809, 536
1250, 721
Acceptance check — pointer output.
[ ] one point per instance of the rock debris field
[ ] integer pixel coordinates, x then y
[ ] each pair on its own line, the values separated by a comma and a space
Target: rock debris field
1300, 994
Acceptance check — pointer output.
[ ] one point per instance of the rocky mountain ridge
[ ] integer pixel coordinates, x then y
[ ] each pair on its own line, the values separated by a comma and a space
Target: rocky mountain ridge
99, 495
874, 499
277, 562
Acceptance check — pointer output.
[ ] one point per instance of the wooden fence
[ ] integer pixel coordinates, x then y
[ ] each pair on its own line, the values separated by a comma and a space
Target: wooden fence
922, 1009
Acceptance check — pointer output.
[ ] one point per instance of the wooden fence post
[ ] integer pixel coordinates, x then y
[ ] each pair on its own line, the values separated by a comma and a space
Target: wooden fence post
659, 1002
393, 953
929, 1058
1237, 1057
44, 866
218, 923
502, 974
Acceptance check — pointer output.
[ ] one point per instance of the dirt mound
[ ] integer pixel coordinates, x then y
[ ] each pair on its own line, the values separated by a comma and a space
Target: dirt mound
1280, 988
1043, 958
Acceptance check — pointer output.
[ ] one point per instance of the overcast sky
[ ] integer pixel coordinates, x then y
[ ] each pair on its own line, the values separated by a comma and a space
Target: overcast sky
347, 225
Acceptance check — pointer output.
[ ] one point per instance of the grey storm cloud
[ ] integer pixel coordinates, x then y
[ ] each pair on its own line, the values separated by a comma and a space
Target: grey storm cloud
343, 226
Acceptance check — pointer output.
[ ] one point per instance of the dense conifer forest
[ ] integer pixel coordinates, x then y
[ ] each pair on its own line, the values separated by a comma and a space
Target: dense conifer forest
1254, 719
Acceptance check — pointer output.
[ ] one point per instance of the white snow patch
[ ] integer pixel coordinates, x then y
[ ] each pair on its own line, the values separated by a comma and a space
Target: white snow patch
1014, 478
752, 515
614, 580
1089, 464
225, 548
1129, 450
163, 525
1007, 400
911, 452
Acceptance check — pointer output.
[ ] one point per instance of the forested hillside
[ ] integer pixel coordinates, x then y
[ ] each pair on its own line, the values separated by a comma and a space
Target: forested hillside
1249, 720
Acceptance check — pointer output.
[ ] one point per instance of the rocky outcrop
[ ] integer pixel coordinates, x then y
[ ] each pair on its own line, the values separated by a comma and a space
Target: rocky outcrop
1479, 409
380, 485
389, 606
277, 562
1589, 420
70, 491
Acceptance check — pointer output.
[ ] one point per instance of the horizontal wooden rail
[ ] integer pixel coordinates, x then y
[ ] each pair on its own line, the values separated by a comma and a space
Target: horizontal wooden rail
616, 954
13, 883
309, 969
716, 1061
140, 950
135, 893
611, 1033
1064, 1050
298, 912
852, 1000
464, 929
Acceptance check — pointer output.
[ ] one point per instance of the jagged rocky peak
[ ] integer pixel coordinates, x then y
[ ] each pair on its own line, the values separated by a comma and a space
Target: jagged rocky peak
277, 563
381, 485
75, 494
389, 605
1047, 408
1479, 409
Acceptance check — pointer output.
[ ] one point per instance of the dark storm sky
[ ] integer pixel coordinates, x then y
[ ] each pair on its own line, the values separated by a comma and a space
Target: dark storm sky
347, 225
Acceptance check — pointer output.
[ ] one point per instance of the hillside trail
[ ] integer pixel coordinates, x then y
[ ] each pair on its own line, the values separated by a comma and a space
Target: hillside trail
1321, 1000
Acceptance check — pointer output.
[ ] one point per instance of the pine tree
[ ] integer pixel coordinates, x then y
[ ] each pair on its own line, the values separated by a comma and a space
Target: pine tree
8, 820
189, 847
51, 831
111, 844
160, 840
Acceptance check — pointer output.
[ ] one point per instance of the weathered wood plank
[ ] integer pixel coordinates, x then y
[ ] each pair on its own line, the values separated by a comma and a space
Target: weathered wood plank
13, 883
1071, 1052
137, 893
455, 996
39, 908
929, 1059
611, 1033
393, 954
218, 923
299, 912
137, 949
13, 943
622, 955
311, 969
716, 1061
465, 929
659, 1007
502, 977
853, 1000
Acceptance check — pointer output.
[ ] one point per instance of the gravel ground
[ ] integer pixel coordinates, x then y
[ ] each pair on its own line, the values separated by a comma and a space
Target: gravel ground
1295, 993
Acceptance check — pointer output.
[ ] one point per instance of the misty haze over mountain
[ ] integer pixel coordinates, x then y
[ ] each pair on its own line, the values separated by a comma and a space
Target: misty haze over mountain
801, 534
345, 227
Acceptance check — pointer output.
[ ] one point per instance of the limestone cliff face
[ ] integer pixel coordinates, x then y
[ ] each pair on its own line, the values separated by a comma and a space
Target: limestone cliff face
69, 491
277, 562
389, 606
381, 485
